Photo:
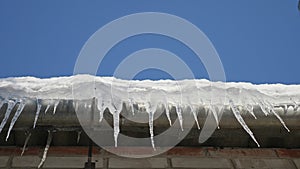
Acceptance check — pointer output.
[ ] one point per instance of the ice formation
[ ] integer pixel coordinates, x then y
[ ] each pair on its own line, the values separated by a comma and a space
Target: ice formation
240, 119
55, 106
16, 116
38, 109
10, 105
26, 142
49, 139
184, 96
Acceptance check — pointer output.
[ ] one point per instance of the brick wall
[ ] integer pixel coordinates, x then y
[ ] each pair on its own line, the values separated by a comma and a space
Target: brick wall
178, 157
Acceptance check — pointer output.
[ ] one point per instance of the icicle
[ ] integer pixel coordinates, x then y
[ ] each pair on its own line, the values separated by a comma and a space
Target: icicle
15, 118
195, 116
116, 116
10, 105
55, 106
38, 109
166, 106
130, 104
47, 108
280, 119
151, 129
215, 114
25, 144
78, 136
100, 106
116, 108
49, 139
262, 107
241, 121
179, 114
249, 108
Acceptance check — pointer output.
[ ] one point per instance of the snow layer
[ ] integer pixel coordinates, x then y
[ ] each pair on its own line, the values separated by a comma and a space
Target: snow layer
111, 93
188, 91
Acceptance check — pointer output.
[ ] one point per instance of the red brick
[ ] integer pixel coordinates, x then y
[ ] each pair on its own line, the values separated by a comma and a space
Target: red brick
237, 152
18, 150
71, 151
187, 151
286, 153
129, 151
7, 150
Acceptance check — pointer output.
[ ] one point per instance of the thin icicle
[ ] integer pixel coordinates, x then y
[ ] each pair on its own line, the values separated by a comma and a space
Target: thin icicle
16, 116
271, 109
78, 136
38, 109
47, 108
49, 139
215, 114
151, 129
100, 106
130, 104
55, 106
26, 142
195, 116
240, 119
179, 114
263, 108
10, 105
280, 119
168, 113
250, 108
116, 116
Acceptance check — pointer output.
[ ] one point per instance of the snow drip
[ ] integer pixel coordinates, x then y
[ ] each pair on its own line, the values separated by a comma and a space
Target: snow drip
193, 96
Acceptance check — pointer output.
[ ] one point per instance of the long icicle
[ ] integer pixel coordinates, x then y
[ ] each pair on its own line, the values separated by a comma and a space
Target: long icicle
38, 109
168, 113
195, 116
26, 142
116, 116
280, 119
271, 109
10, 105
215, 114
16, 116
151, 129
179, 114
240, 119
49, 139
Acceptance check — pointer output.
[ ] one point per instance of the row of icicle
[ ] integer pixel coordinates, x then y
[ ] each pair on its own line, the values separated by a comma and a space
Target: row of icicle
266, 107
21, 105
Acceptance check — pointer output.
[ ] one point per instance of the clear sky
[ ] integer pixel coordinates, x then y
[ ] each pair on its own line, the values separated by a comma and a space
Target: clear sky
257, 40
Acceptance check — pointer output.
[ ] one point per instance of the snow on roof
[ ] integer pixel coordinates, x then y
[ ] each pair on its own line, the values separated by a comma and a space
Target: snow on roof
111, 93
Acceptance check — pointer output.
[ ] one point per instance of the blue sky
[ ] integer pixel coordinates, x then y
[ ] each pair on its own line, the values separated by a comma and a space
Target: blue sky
257, 41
